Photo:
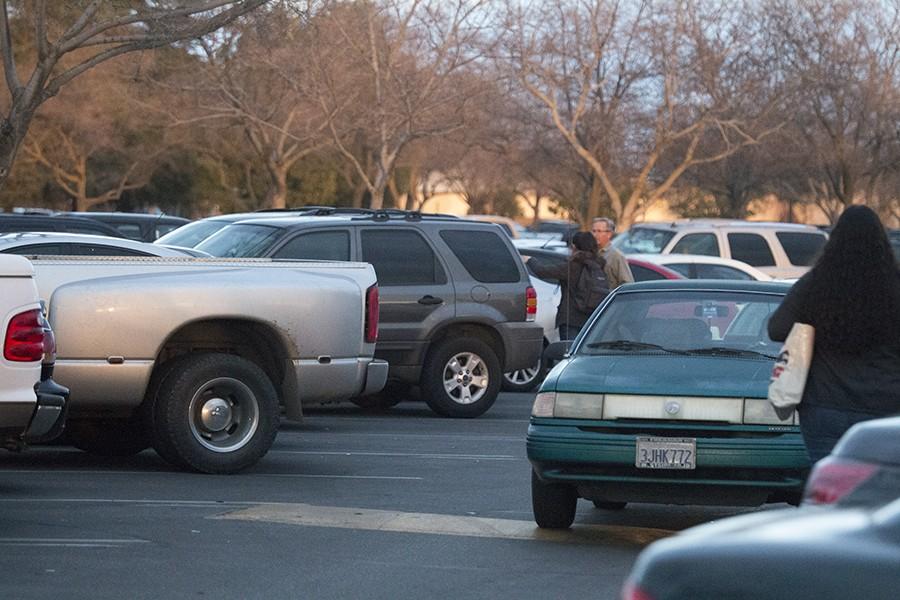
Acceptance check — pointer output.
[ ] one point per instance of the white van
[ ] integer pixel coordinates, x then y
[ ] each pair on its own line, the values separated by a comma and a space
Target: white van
781, 250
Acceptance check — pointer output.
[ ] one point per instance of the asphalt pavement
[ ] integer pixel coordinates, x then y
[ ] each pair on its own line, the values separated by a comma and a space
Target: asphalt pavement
348, 504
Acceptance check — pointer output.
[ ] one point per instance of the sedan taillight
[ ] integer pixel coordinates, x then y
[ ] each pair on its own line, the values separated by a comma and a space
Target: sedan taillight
371, 326
25, 338
832, 479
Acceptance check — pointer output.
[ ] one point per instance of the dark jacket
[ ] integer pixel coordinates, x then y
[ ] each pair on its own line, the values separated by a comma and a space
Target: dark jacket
867, 382
567, 273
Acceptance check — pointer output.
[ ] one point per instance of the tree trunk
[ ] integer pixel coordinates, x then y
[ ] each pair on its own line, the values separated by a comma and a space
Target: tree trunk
276, 195
594, 200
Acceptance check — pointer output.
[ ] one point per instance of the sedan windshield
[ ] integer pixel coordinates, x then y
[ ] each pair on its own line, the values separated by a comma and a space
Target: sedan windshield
241, 241
711, 323
642, 240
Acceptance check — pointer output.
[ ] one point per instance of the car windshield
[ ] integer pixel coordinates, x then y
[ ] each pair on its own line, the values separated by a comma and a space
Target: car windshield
642, 240
240, 241
714, 323
191, 234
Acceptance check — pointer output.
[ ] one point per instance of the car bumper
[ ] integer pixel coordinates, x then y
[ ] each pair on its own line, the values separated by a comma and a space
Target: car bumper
49, 417
523, 343
734, 465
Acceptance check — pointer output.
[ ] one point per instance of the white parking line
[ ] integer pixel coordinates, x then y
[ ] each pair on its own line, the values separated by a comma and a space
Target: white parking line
438, 524
501, 457
69, 542
297, 475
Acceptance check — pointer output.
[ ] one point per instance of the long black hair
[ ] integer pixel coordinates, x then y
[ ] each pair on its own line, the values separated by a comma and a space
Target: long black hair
855, 285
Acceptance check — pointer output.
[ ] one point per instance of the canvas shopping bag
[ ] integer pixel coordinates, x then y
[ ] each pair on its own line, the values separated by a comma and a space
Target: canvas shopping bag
791, 369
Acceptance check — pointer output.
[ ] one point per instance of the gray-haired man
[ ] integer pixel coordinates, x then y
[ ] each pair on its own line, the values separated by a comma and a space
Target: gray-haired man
617, 269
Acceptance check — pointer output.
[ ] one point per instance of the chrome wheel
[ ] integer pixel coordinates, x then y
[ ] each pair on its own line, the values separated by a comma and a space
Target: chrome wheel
224, 414
466, 378
523, 377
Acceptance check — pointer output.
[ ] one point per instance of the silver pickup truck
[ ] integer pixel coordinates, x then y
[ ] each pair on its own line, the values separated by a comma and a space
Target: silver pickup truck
199, 357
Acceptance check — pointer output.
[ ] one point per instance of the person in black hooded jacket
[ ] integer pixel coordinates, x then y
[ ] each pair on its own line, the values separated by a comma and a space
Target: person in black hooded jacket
569, 318
852, 299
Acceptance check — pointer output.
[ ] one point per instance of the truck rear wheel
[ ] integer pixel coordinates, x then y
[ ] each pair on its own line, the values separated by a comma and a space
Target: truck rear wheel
461, 377
214, 413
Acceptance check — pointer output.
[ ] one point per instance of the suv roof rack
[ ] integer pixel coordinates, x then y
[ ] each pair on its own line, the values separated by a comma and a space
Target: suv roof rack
379, 214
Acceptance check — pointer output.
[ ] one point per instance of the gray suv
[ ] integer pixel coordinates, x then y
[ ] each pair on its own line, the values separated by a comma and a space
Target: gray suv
457, 308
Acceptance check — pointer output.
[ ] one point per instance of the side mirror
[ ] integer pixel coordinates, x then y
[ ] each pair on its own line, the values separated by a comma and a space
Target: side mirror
557, 351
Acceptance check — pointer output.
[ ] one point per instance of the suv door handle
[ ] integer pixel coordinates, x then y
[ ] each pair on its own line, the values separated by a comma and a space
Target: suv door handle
429, 299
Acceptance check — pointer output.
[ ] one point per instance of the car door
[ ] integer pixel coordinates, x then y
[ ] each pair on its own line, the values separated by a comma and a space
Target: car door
415, 291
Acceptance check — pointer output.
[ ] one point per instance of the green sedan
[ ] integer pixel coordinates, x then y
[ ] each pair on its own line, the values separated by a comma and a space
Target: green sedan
662, 398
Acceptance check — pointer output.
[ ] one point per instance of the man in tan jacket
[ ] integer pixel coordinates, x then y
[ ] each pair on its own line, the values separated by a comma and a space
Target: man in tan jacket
617, 269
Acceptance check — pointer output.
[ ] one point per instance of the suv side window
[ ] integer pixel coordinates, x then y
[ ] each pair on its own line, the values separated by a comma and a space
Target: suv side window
751, 248
801, 248
697, 243
483, 254
317, 245
401, 257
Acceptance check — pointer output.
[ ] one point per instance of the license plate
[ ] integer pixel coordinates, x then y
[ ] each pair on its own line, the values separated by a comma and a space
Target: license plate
665, 453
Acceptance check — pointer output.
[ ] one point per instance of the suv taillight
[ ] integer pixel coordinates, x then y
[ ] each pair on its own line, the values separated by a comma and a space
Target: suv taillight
832, 479
25, 338
371, 327
530, 303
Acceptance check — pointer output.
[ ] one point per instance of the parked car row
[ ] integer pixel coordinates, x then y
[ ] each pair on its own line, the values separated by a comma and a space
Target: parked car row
204, 382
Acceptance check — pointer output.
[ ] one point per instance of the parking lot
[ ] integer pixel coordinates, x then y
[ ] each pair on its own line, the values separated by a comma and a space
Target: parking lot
398, 504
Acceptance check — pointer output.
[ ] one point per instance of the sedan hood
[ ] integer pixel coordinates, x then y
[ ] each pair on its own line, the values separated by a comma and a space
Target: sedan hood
664, 375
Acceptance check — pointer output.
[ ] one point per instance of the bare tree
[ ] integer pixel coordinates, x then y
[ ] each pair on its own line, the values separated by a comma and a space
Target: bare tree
65, 41
252, 79
844, 58
626, 83
392, 72
106, 147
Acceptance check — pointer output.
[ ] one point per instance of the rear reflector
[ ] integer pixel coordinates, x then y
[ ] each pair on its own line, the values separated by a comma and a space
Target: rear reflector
371, 326
530, 303
833, 479
25, 338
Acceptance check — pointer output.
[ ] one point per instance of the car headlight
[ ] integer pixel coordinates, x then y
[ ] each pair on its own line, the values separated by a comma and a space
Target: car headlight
579, 406
568, 405
544, 403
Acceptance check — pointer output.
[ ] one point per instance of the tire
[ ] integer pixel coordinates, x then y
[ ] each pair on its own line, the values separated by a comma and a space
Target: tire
214, 413
108, 437
553, 504
524, 380
610, 505
471, 370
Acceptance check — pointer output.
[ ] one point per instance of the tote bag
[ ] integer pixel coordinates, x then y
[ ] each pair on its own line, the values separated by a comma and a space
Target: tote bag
791, 369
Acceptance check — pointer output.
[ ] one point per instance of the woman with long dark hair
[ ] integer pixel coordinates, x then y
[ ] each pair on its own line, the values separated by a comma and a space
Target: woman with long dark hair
852, 298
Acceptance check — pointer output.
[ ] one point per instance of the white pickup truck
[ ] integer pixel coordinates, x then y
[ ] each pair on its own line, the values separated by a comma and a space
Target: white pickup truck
198, 358
32, 406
